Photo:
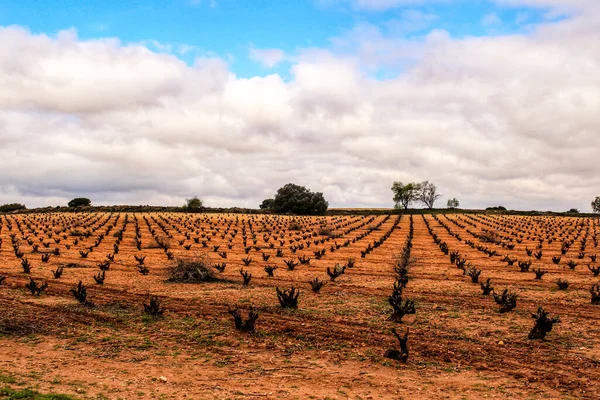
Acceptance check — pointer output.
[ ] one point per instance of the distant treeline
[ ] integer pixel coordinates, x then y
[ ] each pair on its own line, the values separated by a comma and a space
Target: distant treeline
19, 208
12, 207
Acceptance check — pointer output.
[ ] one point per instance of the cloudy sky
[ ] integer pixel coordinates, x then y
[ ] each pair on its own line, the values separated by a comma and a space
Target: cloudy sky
152, 102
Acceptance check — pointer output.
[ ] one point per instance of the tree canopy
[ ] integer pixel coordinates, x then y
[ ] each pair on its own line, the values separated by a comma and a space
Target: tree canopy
295, 199
596, 205
404, 195
194, 204
453, 203
428, 194
80, 202
267, 204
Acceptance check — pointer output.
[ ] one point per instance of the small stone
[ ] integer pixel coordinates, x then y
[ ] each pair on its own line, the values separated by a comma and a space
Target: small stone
501, 343
163, 379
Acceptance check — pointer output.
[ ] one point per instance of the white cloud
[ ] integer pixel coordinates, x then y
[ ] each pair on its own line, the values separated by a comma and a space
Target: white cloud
508, 120
267, 57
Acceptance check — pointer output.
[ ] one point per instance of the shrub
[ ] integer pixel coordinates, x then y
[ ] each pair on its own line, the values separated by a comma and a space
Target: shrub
486, 287
104, 265
543, 324
269, 269
35, 288
335, 272
291, 264
154, 307
304, 260
400, 307
562, 284
288, 298
316, 285
246, 276
507, 301
556, 259
247, 325
100, 277
58, 272
26, 265
220, 267
595, 292
539, 273
402, 354
325, 231
524, 266
199, 269
247, 261
473, 273
80, 294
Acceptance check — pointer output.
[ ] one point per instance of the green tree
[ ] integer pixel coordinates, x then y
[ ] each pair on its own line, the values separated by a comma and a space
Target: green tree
80, 202
596, 205
299, 200
405, 194
194, 204
267, 204
453, 203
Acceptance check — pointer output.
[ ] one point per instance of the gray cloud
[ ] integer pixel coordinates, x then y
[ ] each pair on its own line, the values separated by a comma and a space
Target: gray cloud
506, 120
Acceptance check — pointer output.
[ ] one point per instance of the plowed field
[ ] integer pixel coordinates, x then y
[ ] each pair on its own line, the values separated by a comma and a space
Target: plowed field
332, 346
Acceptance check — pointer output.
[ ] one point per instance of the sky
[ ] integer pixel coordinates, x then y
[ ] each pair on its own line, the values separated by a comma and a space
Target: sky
153, 102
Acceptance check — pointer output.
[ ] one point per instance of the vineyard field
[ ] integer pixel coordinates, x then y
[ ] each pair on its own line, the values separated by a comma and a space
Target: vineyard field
332, 345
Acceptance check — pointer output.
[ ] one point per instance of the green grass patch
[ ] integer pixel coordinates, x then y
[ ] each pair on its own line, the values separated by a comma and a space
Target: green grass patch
26, 394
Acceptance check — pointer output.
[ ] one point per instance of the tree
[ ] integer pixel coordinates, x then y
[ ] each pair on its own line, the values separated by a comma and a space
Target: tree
405, 194
299, 200
497, 208
596, 205
428, 194
80, 202
453, 203
194, 204
267, 204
